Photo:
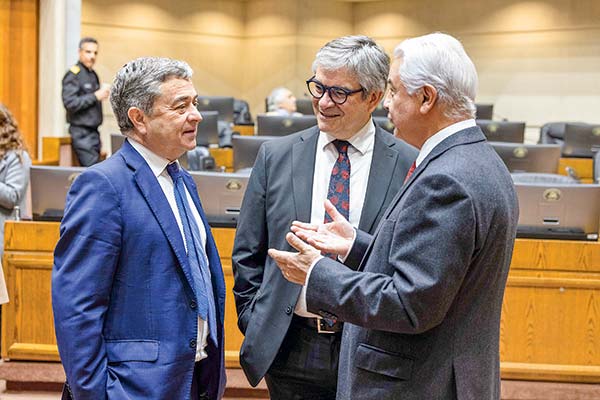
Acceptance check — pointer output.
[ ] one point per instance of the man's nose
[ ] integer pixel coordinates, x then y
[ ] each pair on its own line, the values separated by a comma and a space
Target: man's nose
386, 101
325, 101
195, 115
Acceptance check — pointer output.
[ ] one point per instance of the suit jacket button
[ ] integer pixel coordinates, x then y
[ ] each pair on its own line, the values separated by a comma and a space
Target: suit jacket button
193, 343
288, 310
193, 305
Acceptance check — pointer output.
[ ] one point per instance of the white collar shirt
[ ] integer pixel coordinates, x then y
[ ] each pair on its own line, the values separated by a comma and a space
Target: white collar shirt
360, 154
158, 165
436, 139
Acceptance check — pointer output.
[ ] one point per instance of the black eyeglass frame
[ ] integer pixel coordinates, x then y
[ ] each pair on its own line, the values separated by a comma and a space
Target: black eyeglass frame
328, 89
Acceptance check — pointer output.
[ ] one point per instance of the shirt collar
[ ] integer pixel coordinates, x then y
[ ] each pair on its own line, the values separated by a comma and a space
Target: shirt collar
439, 137
84, 67
362, 140
156, 163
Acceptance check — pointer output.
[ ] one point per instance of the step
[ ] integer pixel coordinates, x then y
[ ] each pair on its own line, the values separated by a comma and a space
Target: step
49, 376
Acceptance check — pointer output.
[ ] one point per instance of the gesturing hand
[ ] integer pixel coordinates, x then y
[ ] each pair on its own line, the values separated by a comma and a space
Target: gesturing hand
294, 266
335, 237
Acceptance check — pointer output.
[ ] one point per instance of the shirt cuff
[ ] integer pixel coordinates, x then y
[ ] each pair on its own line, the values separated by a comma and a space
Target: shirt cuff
312, 265
343, 258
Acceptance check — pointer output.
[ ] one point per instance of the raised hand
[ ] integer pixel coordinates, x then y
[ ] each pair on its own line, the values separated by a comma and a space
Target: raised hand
294, 266
335, 237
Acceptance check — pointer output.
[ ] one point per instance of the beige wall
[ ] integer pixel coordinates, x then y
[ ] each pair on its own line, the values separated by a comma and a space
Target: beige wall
538, 60
207, 34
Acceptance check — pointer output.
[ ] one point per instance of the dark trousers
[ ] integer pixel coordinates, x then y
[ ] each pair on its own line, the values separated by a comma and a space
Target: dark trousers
201, 382
306, 365
86, 144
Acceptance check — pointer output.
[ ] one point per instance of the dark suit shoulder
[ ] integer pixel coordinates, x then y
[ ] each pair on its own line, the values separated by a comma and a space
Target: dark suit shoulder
282, 145
405, 149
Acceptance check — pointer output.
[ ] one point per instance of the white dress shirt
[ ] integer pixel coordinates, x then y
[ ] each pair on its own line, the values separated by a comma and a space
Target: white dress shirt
436, 139
360, 153
158, 165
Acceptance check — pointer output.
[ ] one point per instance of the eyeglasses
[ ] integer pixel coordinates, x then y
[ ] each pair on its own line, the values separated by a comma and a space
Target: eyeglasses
337, 94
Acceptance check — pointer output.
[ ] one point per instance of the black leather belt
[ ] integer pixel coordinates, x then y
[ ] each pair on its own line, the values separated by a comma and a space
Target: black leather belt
319, 324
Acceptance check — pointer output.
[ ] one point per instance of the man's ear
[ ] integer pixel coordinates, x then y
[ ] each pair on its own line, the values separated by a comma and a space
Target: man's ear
374, 98
138, 119
429, 97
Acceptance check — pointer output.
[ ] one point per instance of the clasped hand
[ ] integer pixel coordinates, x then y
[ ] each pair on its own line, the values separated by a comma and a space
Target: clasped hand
310, 240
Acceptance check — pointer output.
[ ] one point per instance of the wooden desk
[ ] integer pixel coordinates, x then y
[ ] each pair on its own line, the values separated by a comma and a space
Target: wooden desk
57, 149
27, 322
550, 327
244, 130
223, 158
583, 167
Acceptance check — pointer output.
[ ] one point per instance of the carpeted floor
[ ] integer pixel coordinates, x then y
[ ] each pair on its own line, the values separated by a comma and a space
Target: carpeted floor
43, 381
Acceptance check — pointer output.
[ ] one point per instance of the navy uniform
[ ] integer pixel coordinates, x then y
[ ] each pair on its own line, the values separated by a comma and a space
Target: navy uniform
84, 112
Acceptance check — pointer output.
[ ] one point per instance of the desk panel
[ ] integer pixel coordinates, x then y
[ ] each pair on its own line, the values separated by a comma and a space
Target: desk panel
583, 167
550, 325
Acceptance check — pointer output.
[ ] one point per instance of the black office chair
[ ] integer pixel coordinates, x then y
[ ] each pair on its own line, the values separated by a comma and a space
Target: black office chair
554, 132
241, 113
199, 159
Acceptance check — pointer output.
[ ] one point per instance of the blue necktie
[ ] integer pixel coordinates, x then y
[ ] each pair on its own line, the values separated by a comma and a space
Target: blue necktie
196, 255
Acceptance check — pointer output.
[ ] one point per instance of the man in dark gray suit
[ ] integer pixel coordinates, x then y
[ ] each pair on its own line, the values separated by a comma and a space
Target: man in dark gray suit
422, 312
347, 159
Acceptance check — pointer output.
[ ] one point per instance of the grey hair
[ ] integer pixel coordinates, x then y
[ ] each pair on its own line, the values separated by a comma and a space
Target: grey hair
137, 84
361, 56
276, 97
439, 60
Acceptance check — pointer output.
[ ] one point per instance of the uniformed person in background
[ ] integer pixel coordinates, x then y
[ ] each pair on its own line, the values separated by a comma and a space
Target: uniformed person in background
82, 97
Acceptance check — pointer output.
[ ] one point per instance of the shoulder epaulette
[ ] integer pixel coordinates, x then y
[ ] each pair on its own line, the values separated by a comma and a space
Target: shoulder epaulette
75, 69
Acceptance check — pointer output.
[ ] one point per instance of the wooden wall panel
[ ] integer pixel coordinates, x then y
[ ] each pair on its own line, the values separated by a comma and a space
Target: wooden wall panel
550, 325
19, 64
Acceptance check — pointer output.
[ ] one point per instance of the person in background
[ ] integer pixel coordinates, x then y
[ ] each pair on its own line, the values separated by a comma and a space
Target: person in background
82, 97
14, 170
282, 102
138, 291
14, 178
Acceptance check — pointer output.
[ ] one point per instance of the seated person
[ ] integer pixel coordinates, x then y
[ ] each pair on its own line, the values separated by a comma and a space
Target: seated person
282, 102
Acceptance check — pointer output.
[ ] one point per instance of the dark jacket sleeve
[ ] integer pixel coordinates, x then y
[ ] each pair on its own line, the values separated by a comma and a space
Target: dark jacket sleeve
424, 267
85, 261
251, 242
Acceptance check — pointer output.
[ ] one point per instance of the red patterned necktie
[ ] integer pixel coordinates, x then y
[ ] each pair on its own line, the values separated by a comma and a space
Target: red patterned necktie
410, 171
339, 183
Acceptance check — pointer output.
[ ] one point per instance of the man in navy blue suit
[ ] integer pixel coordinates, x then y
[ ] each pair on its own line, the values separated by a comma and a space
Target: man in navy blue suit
137, 286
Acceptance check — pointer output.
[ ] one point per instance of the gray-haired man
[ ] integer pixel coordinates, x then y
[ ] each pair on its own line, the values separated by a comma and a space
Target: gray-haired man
137, 287
423, 314
346, 159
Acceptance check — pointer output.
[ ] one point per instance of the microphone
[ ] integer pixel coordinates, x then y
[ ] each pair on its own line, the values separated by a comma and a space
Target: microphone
571, 172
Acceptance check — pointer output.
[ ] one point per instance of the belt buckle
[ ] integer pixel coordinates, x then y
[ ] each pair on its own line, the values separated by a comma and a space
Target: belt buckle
322, 327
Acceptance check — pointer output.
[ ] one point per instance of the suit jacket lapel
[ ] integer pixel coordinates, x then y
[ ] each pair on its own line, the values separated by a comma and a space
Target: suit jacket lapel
469, 135
158, 204
384, 159
303, 166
